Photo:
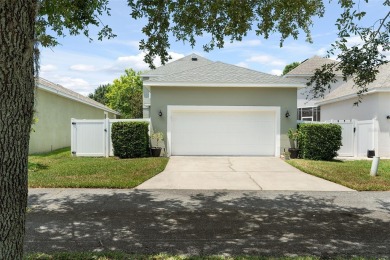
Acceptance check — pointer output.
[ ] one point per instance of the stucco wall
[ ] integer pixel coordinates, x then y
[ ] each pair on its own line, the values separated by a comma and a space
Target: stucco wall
52, 131
373, 106
285, 98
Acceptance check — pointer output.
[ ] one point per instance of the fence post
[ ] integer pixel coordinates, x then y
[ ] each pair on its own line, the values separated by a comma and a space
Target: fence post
107, 136
72, 137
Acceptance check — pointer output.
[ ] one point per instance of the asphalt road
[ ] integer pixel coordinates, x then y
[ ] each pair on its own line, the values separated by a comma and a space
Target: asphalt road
325, 224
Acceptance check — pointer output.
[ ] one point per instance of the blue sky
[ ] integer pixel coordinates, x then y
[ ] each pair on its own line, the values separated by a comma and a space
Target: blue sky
82, 66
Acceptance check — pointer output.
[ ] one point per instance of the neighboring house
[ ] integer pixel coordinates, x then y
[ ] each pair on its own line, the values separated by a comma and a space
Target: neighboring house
54, 108
213, 108
307, 108
338, 105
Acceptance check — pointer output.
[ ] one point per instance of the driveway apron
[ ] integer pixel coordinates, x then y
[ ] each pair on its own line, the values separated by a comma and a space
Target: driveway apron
236, 173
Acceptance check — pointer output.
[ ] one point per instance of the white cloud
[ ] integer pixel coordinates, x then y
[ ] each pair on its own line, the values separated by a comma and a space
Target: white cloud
321, 52
78, 85
137, 63
175, 56
48, 67
267, 60
243, 64
83, 67
354, 40
276, 72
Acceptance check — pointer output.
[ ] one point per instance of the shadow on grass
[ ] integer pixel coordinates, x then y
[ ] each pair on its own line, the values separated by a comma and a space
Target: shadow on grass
33, 167
53, 153
205, 223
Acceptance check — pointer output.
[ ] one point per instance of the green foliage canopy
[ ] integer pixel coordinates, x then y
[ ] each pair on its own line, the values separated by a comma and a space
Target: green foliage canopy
231, 19
290, 67
125, 94
187, 20
99, 94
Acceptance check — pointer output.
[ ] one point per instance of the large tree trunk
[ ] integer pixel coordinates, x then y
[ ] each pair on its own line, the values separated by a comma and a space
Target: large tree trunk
17, 19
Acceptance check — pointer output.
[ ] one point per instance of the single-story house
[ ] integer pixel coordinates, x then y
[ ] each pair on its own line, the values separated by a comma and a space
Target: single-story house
55, 105
375, 105
308, 110
212, 108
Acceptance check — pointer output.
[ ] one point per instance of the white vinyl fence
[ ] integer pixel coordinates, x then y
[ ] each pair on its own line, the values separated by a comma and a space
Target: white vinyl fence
357, 136
93, 137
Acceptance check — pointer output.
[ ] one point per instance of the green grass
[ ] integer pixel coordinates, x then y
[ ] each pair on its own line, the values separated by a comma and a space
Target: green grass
352, 174
59, 169
120, 255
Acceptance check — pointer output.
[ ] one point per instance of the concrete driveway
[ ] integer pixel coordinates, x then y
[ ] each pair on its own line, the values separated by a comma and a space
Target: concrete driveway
236, 173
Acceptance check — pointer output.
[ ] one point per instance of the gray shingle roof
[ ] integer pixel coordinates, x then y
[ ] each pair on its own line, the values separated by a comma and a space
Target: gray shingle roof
183, 64
40, 82
218, 73
308, 66
348, 89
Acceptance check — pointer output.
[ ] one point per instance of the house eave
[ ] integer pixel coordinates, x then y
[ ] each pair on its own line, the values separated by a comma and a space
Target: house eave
354, 95
231, 85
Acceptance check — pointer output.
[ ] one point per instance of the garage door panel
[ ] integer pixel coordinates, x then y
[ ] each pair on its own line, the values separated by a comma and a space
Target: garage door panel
222, 133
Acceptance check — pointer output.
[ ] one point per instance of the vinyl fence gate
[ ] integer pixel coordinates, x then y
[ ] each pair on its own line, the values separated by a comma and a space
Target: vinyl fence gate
357, 137
93, 137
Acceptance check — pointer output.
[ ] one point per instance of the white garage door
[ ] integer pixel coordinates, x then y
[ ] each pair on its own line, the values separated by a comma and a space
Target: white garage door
223, 132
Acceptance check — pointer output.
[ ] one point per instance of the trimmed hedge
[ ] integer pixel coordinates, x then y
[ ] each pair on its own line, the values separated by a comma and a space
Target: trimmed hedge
130, 139
319, 141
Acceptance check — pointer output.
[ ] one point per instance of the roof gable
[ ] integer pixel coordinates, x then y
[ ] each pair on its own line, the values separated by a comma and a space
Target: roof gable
220, 74
308, 66
348, 89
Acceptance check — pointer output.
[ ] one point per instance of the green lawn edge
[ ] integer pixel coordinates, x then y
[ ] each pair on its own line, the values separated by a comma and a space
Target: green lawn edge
354, 174
59, 169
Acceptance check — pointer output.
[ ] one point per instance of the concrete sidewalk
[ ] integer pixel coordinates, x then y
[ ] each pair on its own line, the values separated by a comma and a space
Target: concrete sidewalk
236, 173
267, 223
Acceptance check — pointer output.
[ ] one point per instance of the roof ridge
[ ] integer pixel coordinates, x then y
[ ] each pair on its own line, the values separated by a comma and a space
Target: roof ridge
179, 72
252, 70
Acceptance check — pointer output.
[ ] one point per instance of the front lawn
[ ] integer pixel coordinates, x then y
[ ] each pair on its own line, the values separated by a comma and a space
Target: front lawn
352, 174
59, 169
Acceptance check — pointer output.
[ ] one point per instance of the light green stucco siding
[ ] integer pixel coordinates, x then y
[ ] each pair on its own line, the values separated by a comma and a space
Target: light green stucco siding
54, 112
285, 98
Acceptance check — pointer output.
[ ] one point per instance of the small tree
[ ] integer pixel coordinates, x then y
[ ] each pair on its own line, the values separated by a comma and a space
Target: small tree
290, 67
99, 94
125, 94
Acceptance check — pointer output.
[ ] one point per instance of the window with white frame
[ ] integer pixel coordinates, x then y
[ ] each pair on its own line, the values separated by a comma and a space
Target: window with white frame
309, 113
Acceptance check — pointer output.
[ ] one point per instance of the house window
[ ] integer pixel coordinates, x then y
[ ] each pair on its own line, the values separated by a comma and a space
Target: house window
309, 113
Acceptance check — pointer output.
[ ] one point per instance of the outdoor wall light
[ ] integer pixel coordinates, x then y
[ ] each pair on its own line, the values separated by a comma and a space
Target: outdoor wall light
388, 117
160, 113
287, 114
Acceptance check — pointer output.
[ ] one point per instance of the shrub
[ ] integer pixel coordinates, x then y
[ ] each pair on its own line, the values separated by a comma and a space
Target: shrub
319, 141
130, 139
